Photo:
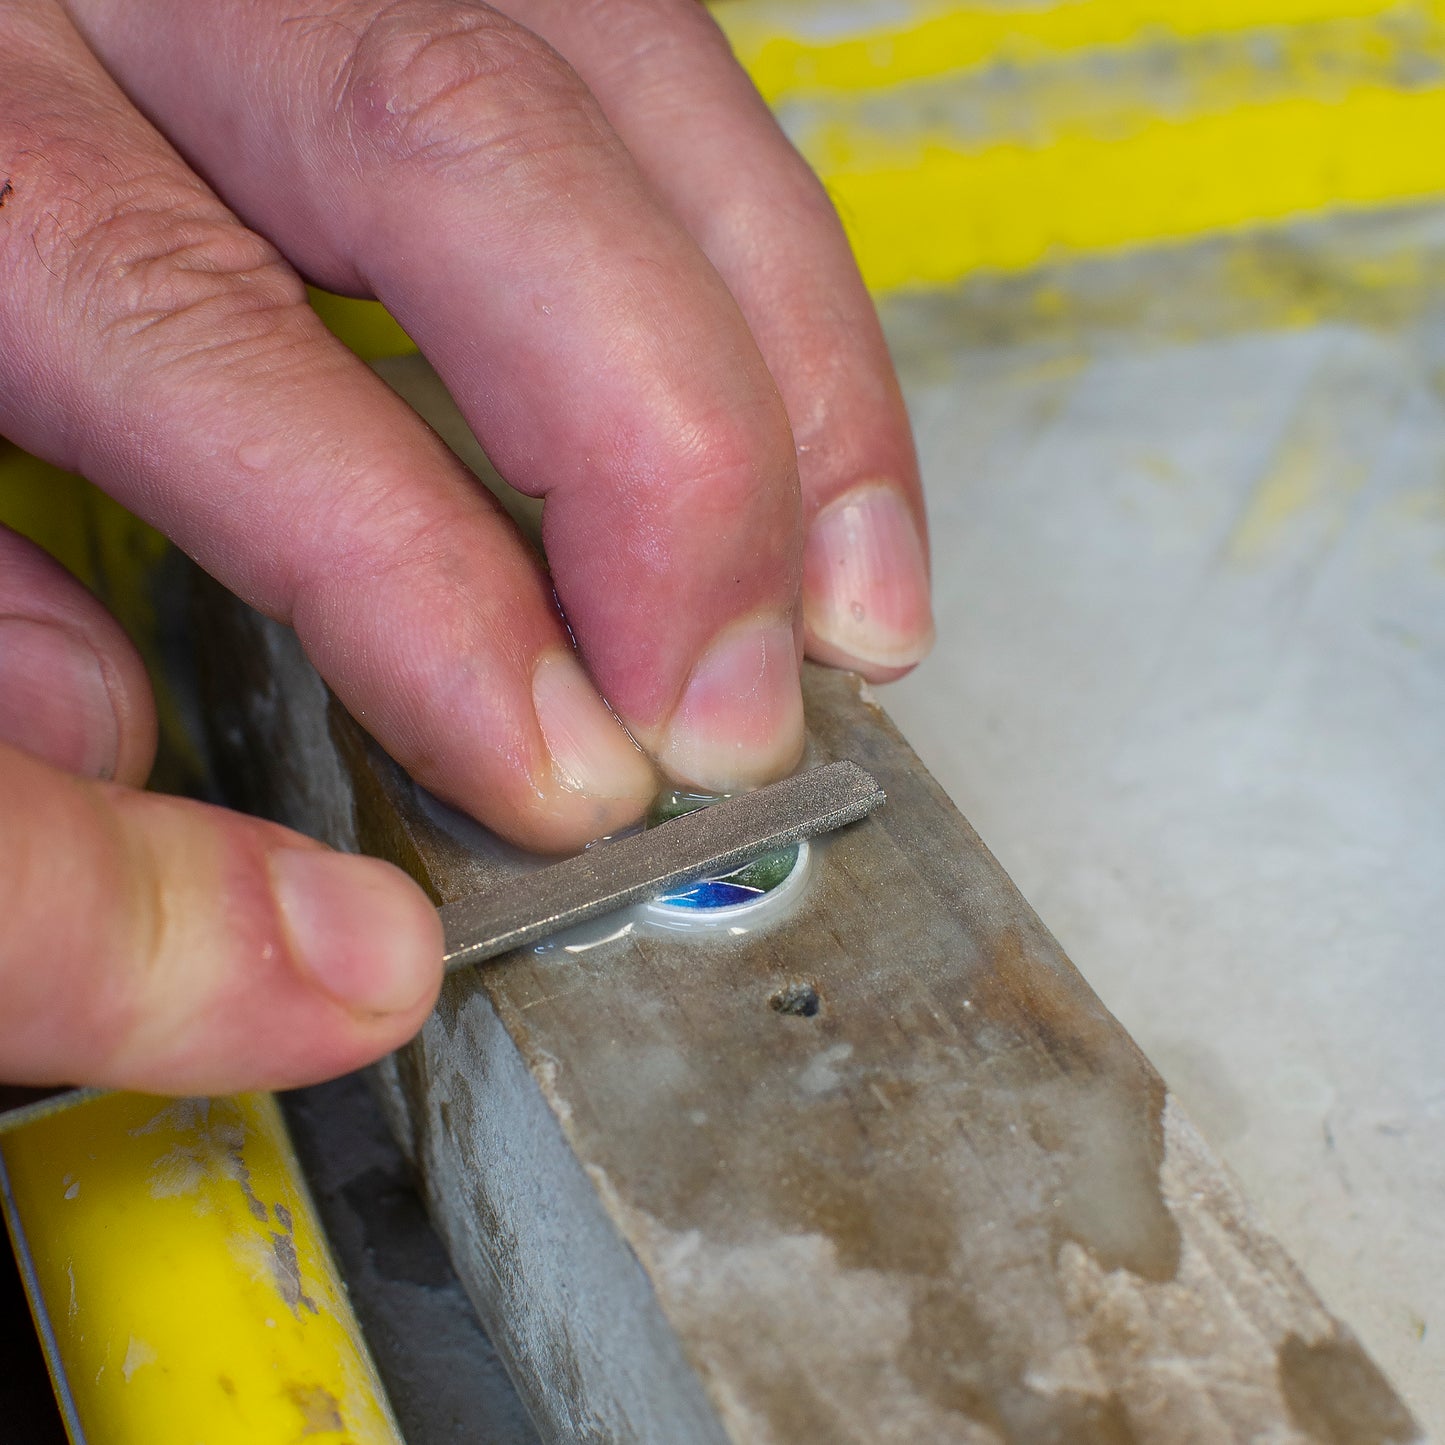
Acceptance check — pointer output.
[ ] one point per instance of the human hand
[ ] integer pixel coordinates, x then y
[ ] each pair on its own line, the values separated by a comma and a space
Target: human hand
644, 305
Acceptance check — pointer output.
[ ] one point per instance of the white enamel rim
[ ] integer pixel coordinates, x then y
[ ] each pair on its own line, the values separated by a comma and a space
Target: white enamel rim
734, 915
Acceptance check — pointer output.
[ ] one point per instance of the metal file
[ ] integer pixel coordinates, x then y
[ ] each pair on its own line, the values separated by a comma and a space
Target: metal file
609, 876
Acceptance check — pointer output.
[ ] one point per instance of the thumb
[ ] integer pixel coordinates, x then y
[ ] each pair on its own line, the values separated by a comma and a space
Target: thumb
160, 944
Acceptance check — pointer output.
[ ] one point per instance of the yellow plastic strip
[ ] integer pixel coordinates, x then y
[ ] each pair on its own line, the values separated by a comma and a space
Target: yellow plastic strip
181, 1281
809, 47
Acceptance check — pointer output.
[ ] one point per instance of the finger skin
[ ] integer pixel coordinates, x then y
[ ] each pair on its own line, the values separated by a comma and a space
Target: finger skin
146, 946
664, 75
440, 157
73, 689
156, 345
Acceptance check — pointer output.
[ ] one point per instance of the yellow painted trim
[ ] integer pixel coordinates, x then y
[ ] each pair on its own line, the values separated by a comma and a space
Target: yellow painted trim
795, 48
189, 1293
925, 212
367, 327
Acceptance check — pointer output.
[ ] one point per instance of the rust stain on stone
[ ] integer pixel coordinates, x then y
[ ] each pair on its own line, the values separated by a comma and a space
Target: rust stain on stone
980, 1372
1102, 1115
1336, 1395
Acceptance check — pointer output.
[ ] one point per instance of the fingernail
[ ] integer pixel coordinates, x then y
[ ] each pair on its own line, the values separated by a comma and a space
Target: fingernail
591, 753
740, 721
360, 930
865, 581
54, 701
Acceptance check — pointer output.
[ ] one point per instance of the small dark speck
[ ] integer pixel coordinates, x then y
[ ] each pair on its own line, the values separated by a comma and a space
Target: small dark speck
6, 191
798, 1000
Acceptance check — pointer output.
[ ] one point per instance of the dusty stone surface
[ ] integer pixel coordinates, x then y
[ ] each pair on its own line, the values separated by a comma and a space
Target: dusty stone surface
953, 1202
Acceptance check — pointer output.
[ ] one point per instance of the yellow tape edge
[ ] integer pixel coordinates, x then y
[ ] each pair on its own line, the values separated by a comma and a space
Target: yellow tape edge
926, 212
936, 39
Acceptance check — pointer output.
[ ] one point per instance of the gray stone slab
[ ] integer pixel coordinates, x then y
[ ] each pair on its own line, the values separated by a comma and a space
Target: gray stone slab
952, 1203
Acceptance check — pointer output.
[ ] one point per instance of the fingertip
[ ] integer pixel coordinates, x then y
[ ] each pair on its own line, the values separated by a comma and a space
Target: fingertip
360, 931
866, 595
595, 779
739, 722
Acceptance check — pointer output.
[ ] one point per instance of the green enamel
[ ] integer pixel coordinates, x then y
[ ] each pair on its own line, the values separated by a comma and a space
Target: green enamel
763, 874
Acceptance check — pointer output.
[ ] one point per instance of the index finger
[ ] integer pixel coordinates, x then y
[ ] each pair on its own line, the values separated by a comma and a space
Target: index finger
156, 345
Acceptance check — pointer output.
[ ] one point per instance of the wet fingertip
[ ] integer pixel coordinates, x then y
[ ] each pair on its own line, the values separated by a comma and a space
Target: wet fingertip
594, 768
360, 930
866, 594
739, 722
820, 649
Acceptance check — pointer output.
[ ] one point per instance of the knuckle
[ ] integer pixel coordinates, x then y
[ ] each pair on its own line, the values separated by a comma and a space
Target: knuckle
149, 267
437, 82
